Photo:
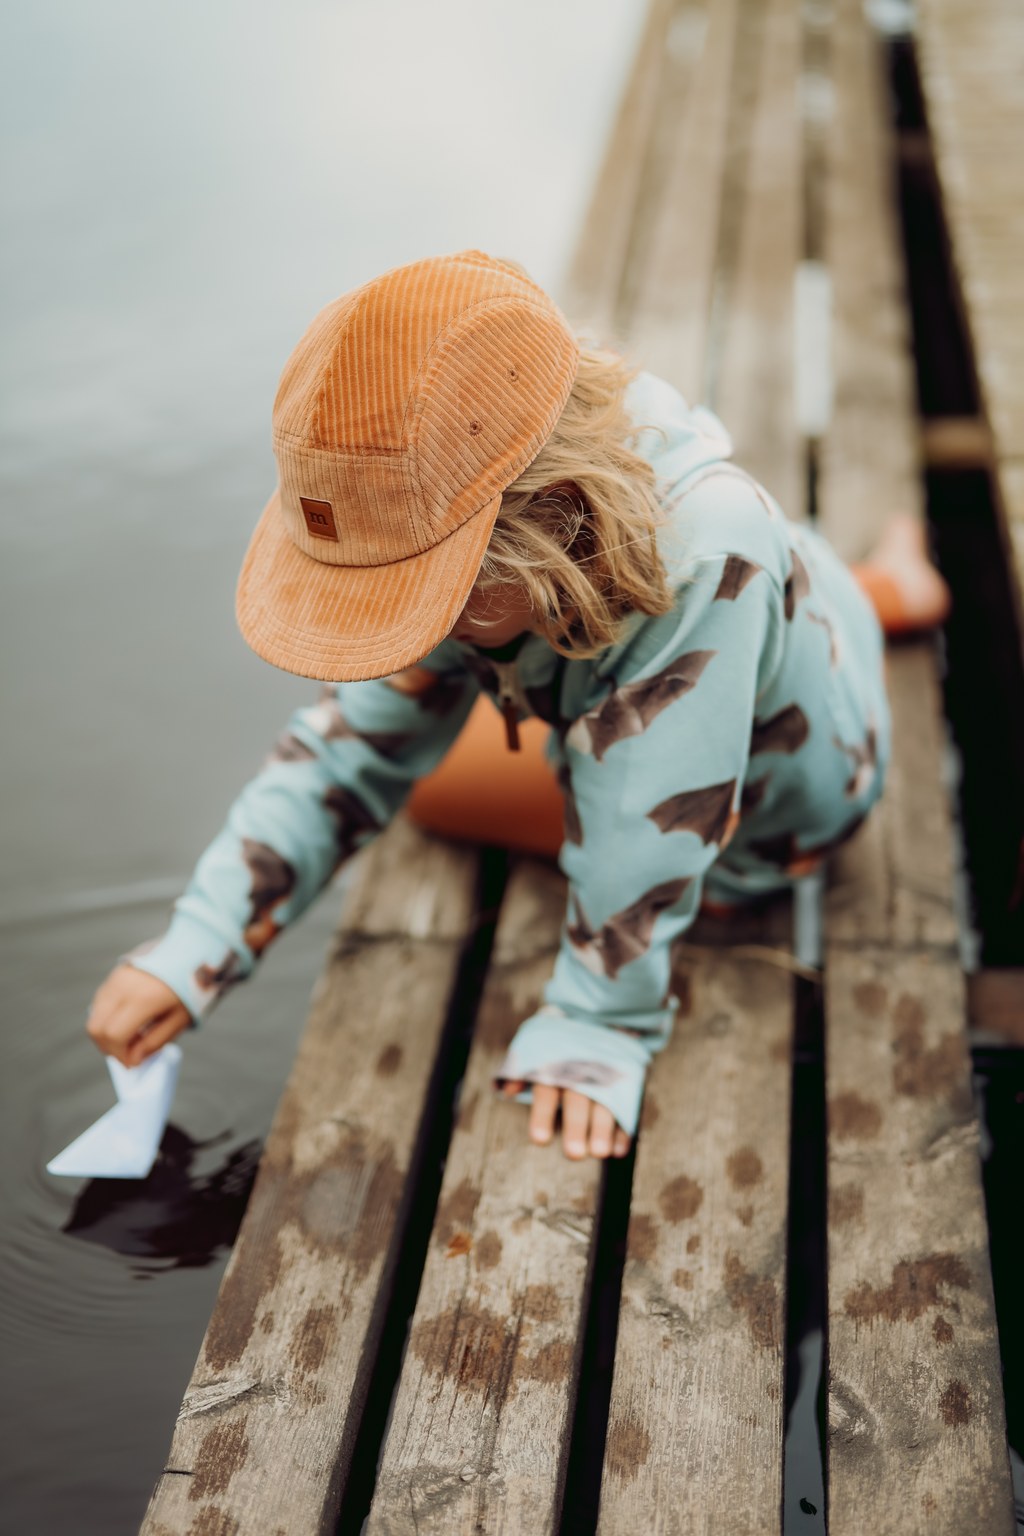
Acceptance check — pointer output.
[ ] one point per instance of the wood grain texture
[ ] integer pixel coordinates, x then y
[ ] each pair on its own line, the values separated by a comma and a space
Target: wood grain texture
971, 60
695, 1426
893, 882
757, 369
972, 64
916, 1422
479, 1427
916, 1429
870, 459
593, 288
415, 885
264, 1437
995, 1004
669, 285
956, 442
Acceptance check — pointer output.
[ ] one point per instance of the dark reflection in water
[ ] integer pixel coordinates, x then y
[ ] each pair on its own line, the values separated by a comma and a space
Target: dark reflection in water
172, 1219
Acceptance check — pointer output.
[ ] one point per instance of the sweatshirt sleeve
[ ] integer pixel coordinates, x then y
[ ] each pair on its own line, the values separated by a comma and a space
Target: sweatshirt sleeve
653, 774
334, 778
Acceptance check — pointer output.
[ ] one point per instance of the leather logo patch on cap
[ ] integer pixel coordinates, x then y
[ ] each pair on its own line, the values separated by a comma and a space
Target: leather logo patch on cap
319, 517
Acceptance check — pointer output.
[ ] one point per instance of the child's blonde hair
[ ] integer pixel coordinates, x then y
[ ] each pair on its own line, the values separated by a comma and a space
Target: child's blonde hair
576, 530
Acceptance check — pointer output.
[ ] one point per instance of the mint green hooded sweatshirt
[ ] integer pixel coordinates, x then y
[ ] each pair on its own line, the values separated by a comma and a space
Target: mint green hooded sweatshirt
721, 747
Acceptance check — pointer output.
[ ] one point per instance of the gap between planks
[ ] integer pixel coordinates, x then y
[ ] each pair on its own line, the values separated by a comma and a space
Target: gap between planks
916, 1426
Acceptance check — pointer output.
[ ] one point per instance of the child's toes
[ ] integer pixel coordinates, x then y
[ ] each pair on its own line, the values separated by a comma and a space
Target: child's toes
620, 1146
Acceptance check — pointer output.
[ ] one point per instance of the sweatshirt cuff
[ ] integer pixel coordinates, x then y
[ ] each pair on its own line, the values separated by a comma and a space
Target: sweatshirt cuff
606, 1064
193, 961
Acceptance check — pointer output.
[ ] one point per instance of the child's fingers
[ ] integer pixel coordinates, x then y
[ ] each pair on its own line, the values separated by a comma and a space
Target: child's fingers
575, 1123
128, 1010
114, 1027
156, 1036
581, 1119
602, 1130
542, 1112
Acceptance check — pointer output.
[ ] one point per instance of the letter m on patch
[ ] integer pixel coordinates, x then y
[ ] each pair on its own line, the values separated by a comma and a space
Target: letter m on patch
319, 517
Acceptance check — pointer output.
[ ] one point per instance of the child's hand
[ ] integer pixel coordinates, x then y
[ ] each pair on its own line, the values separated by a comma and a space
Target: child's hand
582, 1119
133, 1014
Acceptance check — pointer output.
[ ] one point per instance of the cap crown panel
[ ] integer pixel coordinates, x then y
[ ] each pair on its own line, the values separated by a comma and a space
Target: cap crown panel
494, 388
368, 375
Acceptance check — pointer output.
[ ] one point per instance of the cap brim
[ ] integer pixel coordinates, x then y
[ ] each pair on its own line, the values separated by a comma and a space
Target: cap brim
341, 623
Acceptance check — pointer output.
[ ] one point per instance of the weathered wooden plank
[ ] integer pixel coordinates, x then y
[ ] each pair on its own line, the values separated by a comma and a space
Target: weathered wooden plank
956, 442
971, 61
868, 471
893, 882
593, 288
995, 1003
695, 1425
480, 1423
668, 292
916, 1421
413, 885
757, 370
264, 1438
916, 1431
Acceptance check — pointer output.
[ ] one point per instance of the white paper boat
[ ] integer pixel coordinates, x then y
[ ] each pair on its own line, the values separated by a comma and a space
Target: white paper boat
123, 1143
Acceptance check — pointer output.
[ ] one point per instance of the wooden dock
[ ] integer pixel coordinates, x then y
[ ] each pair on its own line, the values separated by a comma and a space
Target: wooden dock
972, 69
726, 222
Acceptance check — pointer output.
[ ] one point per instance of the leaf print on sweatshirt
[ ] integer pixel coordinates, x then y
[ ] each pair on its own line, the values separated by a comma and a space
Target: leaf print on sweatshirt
576, 1074
328, 721
830, 630
571, 813
433, 691
783, 852
736, 573
785, 731
798, 584
707, 811
754, 791
864, 759
219, 978
289, 749
545, 700
629, 709
627, 934
273, 880
442, 698
352, 817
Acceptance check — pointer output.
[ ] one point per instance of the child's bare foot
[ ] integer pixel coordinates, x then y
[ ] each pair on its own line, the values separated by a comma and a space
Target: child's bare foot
902, 553
583, 1121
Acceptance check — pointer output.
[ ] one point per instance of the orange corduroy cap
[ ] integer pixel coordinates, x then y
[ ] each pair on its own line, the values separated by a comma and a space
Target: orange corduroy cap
406, 409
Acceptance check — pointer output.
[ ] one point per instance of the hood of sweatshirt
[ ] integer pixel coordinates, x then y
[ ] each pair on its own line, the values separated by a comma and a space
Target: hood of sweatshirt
676, 438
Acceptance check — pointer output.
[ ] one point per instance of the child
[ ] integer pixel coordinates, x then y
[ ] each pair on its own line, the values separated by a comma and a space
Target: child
471, 501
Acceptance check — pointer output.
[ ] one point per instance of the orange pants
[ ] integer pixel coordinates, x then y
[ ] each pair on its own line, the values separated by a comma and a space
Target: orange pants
483, 792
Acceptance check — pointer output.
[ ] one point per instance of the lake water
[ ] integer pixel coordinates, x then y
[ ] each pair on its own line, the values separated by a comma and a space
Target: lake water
185, 187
